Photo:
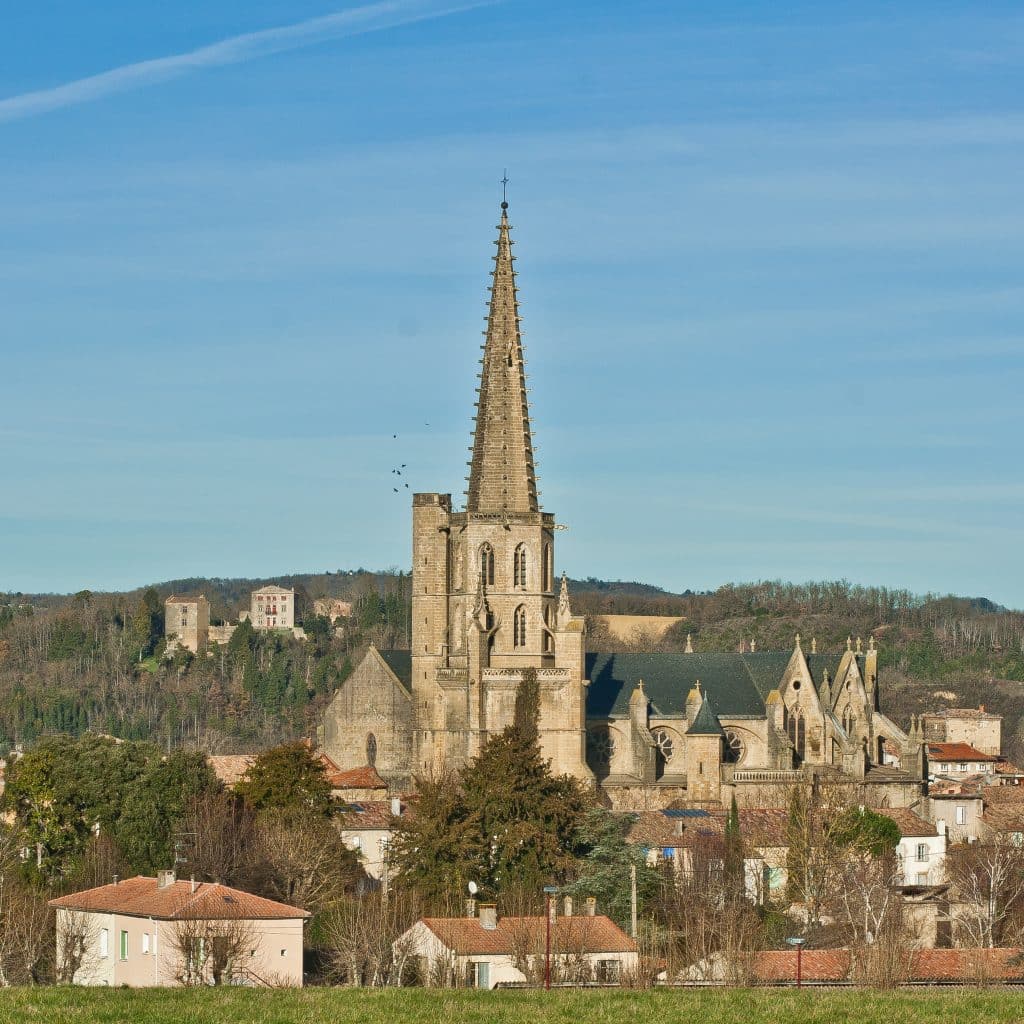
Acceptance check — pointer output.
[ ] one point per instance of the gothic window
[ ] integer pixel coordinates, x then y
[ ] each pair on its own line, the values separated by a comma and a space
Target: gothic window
734, 749
519, 567
664, 752
549, 644
600, 749
801, 737
371, 749
487, 564
785, 718
546, 568
519, 627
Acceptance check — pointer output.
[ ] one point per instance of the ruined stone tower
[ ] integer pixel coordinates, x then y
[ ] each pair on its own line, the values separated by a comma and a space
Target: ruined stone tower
484, 601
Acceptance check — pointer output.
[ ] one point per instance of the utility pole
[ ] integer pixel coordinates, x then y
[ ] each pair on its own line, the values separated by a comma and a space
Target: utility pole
632, 901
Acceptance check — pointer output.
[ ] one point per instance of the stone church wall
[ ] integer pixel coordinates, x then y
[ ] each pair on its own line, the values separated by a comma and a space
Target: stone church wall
370, 703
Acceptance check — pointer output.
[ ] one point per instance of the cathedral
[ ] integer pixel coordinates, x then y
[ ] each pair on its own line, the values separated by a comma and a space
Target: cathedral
648, 730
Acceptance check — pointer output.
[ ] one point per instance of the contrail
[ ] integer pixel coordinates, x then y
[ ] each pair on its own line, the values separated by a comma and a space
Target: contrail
234, 50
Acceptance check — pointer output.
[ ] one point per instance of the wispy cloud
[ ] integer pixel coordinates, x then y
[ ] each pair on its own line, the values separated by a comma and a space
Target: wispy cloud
234, 50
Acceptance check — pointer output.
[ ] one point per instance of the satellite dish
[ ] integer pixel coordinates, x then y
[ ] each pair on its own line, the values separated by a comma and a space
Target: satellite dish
473, 888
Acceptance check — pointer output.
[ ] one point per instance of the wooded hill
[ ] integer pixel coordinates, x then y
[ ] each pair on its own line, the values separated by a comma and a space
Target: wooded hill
91, 661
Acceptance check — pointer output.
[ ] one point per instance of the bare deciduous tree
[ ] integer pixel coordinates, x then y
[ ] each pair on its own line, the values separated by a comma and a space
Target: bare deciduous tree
987, 880
214, 952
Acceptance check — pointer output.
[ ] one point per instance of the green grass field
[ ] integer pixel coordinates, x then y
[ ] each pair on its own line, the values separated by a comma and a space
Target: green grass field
416, 1006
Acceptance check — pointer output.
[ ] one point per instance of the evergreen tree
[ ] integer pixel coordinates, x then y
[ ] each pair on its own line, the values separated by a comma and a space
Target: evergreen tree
733, 855
606, 864
289, 777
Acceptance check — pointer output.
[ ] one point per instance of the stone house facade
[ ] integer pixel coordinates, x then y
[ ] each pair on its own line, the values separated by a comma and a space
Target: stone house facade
975, 726
272, 607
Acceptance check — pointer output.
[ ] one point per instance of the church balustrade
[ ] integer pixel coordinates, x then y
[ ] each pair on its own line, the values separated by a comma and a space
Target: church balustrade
740, 775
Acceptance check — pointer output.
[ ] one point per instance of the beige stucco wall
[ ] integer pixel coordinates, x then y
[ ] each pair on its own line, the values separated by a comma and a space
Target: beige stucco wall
275, 950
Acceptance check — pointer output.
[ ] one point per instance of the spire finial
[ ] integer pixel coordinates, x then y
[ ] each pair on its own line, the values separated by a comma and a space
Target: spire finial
504, 189
849, 643
689, 644
798, 641
814, 645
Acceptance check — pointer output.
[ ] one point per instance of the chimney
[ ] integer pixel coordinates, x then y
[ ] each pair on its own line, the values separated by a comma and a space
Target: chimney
567, 906
396, 807
489, 916
164, 879
470, 908
192, 882
117, 878
591, 906
981, 707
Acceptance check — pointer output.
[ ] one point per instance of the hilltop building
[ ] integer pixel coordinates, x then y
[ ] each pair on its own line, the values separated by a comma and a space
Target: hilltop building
487, 608
272, 608
187, 623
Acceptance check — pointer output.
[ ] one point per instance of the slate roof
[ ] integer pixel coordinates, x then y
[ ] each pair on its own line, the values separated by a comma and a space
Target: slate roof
465, 936
208, 901
736, 683
706, 723
400, 662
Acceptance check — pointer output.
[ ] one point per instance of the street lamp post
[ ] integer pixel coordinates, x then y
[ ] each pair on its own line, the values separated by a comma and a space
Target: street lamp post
549, 891
799, 943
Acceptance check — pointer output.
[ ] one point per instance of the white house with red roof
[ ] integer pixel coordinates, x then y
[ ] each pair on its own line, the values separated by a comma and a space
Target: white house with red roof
488, 951
958, 760
144, 932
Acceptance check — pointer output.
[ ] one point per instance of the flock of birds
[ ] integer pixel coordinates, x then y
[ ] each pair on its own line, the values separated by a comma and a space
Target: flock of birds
397, 471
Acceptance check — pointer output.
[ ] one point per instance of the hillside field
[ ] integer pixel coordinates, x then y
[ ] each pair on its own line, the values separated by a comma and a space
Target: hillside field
416, 1006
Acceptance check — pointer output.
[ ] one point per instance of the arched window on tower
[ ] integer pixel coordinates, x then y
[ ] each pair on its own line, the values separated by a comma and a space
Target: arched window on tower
549, 643
519, 567
519, 627
546, 569
801, 738
487, 564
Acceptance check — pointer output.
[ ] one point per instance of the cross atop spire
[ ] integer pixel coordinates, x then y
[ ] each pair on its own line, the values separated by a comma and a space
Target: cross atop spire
502, 476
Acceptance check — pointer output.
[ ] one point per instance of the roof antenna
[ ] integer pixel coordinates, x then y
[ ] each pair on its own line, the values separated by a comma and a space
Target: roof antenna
504, 190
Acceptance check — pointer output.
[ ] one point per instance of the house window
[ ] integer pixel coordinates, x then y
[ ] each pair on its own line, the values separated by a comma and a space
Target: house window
124, 945
963, 767
922, 852
961, 815
145, 942
922, 878
519, 627
479, 974
607, 971
104, 942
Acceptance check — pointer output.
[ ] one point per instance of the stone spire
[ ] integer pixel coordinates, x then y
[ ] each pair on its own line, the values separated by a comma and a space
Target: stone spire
501, 475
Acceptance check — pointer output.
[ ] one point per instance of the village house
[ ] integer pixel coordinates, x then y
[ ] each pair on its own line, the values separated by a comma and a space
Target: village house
144, 932
488, 951
954, 760
975, 726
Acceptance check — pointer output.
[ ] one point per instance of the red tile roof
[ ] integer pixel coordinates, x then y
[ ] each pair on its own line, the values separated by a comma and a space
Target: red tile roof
653, 829
465, 936
962, 965
230, 768
208, 901
370, 814
909, 823
957, 752
1003, 794
815, 965
926, 965
355, 778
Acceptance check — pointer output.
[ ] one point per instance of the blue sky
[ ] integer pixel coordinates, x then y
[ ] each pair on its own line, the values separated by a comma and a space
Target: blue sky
770, 264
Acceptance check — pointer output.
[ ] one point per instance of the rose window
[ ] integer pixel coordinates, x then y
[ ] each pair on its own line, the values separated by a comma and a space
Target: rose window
734, 748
